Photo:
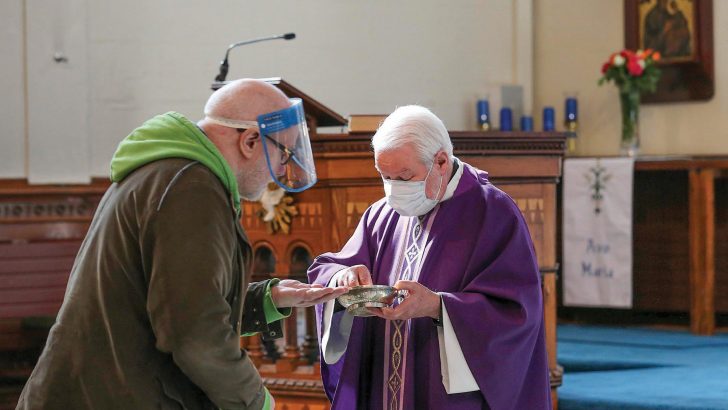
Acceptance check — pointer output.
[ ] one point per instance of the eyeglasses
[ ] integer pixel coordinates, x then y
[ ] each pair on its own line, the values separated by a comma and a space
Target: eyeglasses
287, 153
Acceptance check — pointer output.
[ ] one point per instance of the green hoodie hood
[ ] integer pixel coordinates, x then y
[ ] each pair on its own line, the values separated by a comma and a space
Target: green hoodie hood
171, 135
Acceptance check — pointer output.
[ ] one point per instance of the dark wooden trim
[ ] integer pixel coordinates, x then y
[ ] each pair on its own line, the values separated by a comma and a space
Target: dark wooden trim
21, 202
680, 163
324, 115
21, 187
702, 252
522, 181
464, 143
549, 270
471, 143
315, 387
357, 182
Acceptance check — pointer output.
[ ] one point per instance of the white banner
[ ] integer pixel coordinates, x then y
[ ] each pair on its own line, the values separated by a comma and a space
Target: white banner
598, 232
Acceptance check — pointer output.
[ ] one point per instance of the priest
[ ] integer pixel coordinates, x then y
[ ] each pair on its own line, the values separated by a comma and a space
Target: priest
469, 332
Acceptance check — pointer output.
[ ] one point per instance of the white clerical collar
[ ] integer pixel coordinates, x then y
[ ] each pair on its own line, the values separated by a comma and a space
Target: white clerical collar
453, 184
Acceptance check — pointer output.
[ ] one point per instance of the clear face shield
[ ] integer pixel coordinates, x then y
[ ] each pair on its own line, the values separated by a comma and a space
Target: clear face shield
286, 145
288, 152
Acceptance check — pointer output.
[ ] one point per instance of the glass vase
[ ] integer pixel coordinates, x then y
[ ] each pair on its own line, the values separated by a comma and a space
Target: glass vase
630, 104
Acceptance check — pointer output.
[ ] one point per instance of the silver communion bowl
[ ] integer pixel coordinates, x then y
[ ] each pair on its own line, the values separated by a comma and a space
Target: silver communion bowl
359, 298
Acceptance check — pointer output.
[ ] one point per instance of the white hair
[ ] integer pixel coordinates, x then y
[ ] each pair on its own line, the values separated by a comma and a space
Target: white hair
416, 125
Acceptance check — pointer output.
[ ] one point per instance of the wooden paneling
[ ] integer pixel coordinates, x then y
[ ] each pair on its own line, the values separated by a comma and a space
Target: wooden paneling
661, 260
11, 336
518, 167
33, 277
41, 229
721, 245
705, 244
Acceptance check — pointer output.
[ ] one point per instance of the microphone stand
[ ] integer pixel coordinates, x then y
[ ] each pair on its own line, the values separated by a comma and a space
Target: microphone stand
224, 64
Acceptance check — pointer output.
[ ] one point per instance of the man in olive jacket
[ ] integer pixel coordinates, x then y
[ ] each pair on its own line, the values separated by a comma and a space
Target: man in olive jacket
159, 293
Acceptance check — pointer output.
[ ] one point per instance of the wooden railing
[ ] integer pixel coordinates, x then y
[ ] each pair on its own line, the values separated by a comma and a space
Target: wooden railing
41, 229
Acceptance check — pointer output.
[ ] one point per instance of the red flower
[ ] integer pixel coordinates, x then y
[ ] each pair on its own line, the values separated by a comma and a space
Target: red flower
634, 68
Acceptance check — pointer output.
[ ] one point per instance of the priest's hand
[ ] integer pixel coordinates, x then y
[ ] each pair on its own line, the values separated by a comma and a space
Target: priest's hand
292, 293
357, 275
419, 302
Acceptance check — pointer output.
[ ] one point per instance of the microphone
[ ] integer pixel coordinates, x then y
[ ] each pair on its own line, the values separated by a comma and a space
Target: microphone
224, 64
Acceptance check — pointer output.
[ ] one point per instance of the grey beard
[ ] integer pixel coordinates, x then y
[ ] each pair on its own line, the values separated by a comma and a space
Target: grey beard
245, 180
254, 196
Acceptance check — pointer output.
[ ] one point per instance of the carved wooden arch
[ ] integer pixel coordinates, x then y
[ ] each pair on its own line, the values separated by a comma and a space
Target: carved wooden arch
298, 244
276, 260
292, 247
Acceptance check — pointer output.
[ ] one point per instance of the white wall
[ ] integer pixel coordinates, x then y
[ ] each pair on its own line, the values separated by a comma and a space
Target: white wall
148, 57
57, 91
145, 58
572, 41
12, 103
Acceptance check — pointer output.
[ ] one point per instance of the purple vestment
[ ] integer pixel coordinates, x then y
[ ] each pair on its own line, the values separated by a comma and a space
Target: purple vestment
477, 253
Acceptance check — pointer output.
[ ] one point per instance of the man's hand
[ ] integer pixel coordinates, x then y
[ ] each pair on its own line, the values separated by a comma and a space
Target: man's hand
419, 302
357, 275
292, 293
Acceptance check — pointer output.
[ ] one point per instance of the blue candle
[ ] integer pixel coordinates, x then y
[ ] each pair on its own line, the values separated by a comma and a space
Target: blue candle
571, 109
526, 123
548, 118
483, 112
506, 119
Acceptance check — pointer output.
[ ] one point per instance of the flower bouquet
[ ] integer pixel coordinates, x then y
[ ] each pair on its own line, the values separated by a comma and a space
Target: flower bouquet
633, 73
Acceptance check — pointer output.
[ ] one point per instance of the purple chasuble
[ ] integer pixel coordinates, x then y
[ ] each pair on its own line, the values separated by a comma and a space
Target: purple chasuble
475, 250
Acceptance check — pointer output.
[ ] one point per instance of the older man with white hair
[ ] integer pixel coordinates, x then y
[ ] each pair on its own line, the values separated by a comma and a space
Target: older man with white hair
469, 333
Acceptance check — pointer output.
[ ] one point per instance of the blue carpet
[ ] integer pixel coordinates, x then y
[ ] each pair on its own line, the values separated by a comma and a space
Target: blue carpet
630, 368
653, 338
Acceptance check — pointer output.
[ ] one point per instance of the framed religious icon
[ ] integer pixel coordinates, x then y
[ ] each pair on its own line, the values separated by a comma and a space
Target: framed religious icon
682, 31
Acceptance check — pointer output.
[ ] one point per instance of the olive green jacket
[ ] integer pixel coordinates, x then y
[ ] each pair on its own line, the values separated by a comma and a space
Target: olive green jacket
156, 302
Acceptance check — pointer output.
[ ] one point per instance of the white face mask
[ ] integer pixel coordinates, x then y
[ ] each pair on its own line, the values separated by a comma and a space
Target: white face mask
409, 198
